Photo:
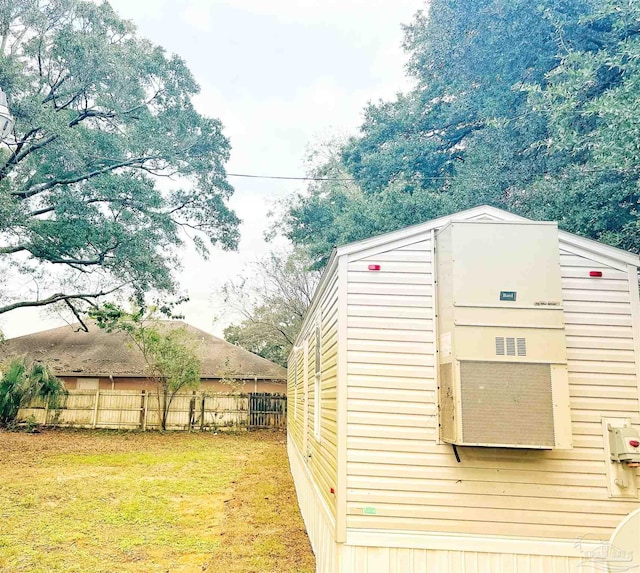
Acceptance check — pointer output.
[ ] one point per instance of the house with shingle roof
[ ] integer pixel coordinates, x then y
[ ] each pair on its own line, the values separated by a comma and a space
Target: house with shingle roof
108, 360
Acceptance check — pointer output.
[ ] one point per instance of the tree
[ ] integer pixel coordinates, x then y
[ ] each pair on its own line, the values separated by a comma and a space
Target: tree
335, 210
591, 102
468, 60
272, 298
527, 106
101, 115
169, 353
21, 382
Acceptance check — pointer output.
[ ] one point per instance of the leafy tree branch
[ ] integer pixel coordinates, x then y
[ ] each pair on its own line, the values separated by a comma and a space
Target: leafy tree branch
101, 114
169, 352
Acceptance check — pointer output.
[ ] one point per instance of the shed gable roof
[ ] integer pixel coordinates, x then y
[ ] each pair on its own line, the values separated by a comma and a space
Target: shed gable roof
571, 241
97, 353
387, 241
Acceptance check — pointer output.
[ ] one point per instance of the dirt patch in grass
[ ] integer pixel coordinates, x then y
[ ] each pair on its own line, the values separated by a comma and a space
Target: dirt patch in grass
96, 501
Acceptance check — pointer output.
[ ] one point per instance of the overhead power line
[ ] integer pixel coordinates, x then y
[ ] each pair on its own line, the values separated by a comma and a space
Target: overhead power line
289, 178
421, 178
351, 179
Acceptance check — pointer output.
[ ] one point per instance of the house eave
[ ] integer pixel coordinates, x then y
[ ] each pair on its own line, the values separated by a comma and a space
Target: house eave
84, 374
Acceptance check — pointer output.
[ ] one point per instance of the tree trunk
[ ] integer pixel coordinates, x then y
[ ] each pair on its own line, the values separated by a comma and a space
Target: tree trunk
165, 407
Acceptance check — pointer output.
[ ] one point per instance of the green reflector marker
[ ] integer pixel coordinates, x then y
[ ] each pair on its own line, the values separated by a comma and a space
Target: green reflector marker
369, 511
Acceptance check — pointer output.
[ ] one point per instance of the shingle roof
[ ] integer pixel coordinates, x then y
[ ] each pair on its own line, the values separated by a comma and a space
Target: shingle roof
72, 352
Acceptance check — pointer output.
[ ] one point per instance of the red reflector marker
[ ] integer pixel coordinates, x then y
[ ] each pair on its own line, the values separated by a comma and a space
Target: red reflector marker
333, 490
634, 443
595, 273
374, 267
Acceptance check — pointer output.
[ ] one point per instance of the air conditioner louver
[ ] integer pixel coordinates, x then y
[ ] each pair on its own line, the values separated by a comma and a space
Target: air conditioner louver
522, 346
514, 346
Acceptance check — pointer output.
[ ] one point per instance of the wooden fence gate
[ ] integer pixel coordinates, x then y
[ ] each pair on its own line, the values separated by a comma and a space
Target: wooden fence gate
267, 410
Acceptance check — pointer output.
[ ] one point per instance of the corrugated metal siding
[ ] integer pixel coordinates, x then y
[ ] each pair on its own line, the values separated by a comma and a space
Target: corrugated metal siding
400, 478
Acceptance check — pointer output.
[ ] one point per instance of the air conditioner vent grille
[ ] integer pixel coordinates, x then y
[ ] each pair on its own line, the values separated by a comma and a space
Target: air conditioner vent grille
506, 403
511, 346
522, 346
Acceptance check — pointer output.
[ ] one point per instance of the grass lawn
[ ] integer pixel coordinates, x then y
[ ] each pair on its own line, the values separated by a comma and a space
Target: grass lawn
95, 501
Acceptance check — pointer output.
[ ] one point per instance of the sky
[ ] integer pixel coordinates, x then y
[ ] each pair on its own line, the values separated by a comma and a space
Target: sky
280, 75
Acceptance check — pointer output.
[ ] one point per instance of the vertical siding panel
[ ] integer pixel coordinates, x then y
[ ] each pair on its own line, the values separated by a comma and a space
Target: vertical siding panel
398, 563
471, 561
360, 559
316, 519
421, 561
455, 561
523, 564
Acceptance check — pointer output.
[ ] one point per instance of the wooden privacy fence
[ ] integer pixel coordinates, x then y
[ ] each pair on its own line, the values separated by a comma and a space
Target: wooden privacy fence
121, 409
267, 410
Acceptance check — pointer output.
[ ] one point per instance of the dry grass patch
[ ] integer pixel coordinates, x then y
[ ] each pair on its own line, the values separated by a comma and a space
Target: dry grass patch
85, 502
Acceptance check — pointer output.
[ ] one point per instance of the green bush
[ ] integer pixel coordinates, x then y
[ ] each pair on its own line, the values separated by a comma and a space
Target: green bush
21, 382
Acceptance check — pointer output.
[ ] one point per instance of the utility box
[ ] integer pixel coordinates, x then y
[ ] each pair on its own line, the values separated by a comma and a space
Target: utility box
502, 351
624, 445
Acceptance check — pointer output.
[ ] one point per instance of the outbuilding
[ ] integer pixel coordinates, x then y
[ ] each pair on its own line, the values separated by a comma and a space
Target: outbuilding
464, 396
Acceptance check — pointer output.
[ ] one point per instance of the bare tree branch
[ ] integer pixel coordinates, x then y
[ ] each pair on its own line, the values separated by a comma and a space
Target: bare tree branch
75, 312
12, 250
84, 177
58, 297
17, 157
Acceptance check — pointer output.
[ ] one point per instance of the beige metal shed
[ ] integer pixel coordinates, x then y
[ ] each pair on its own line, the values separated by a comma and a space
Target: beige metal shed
451, 395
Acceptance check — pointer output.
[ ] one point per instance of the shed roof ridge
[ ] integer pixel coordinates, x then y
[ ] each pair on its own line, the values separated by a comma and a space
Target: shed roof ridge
467, 215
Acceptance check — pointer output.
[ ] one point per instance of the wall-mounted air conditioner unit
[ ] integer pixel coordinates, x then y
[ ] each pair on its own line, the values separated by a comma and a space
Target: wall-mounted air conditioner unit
502, 351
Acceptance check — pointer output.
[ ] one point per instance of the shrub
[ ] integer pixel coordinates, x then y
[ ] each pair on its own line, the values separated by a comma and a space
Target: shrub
23, 381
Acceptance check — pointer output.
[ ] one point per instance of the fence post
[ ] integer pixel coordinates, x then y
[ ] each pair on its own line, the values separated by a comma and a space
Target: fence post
141, 424
192, 410
202, 403
46, 411
95, 410
145, 411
